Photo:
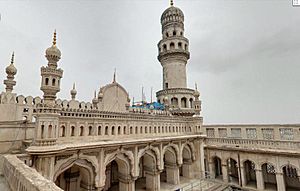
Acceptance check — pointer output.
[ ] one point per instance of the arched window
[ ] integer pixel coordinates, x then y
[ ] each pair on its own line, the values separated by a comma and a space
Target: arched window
49, 131
183, 102
106, 130
63, 131
113, 130
185, 47
164, 47
119, 130
72, 131
42, 131
90, 130
124, 130
172, 45
174, 101
167, 34
131, 131
191, 103
81, 131
47, 81
99, 130
174, 33
180, 45
181, 33
136, 130
53, 82
146, 129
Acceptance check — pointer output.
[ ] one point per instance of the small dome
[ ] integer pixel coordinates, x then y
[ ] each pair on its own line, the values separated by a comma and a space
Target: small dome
196, 93
172, 14
11, 70
53, 53
73, 92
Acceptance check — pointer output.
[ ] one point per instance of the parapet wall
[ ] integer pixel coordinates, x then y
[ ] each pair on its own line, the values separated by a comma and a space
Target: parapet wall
21, 177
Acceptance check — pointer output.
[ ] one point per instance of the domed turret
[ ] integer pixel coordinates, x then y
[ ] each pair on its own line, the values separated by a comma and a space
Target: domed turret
53, 54
172, 15
73, 92
11, 69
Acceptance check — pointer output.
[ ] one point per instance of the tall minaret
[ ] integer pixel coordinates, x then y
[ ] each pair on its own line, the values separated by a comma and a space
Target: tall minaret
51, 75
48, 112
173, 54
173, 48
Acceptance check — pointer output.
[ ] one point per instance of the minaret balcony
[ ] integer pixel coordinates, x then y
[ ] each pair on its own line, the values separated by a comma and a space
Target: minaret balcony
176, 53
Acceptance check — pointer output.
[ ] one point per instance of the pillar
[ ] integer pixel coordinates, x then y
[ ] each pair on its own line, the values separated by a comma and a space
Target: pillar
243, 176
187, 169
172, 171
152, 180
260, 184
212, 170
225, 173
126, 183
280, 181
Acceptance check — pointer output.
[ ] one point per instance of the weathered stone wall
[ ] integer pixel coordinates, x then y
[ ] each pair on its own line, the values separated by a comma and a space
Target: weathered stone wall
21, 177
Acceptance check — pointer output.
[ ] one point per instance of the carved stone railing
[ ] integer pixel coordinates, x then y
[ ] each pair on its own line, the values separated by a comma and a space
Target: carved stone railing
21, 177
252, 143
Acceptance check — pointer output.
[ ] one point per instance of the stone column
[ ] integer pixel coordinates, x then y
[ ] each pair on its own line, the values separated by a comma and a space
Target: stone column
280, 181
243, 176
187, 169
260, 184
126, 183
152, 179
172, 171
212, 170
225, 173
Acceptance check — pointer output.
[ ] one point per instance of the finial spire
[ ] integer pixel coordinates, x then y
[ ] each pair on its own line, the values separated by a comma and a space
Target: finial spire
74, 86
12, 58
114, 78
54, 38
171, 3
73, 92
196, 87
95, 94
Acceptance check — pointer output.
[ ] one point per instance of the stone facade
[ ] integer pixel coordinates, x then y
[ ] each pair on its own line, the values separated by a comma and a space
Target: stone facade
108, 144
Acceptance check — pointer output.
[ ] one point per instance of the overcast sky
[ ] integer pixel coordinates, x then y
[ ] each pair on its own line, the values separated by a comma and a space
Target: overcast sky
244, 53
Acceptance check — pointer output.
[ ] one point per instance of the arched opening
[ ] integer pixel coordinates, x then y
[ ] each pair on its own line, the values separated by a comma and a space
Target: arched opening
186, 47
172, 46
191, 103
183, 102
53, 82
174, 102
180, 45
106, 130
217, 168
76, 178
113, 130
99, 130
117, 172
233, 174
72, 131
164, 47
124, 130
119, 130
63, 131
81, 131
149, 177
291, 178
269, 176
167, 34
47, 81
50, 131
170, 173
186, 168
42, 131
249, 173
174, 33
90, 130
